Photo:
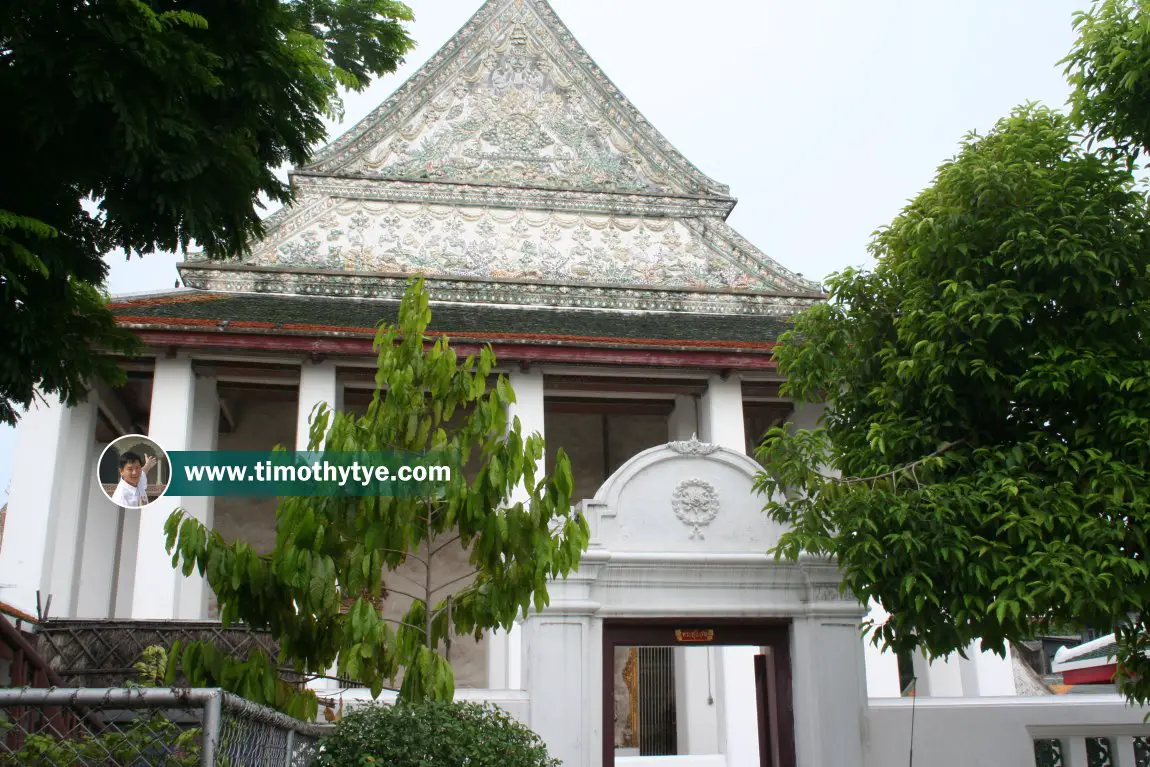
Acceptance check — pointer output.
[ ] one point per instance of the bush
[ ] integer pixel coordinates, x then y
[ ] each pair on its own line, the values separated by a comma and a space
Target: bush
432, 733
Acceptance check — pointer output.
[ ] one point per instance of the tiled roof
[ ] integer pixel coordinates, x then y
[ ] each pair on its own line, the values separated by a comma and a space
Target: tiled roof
321, 316
1106, 652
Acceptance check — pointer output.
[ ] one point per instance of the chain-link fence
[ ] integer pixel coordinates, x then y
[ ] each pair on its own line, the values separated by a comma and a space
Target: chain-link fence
148, 727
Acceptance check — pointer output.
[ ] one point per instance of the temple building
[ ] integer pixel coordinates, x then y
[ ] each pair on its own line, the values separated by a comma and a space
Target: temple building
553, 222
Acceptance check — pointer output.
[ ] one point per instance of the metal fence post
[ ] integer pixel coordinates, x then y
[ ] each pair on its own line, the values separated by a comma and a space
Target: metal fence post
212, 715
289, 761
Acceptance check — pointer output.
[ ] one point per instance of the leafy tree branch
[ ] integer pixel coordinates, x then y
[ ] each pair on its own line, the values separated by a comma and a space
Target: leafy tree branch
319, 591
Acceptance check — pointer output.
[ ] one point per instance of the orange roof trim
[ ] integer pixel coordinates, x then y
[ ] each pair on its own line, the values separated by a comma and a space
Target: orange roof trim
305, 328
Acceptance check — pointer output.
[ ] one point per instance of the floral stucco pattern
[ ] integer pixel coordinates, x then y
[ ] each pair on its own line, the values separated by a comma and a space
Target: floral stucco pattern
515, 47
483, 243
514, 118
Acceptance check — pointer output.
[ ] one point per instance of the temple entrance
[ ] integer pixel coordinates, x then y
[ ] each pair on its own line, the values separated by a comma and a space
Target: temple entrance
658, 651
659, 689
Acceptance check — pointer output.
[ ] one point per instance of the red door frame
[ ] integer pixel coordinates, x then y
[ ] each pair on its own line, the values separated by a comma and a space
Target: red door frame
773, 684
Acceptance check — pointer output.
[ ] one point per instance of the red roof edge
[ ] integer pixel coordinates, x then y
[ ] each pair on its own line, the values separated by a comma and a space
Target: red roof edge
531, 353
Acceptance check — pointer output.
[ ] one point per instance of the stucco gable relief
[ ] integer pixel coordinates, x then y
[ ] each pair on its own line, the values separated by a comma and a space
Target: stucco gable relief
683, 497
513, 99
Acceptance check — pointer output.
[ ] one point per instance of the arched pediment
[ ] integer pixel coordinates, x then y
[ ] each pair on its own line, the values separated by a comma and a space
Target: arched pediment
683, 497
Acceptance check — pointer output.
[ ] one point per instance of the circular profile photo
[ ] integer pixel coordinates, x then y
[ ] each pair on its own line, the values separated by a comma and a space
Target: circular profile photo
134, 471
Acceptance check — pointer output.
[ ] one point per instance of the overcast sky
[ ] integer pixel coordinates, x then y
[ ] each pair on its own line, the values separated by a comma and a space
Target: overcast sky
823, 116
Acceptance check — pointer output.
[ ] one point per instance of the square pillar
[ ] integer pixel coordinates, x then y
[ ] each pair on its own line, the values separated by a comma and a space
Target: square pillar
50, 476
828, 685
504, 664
562, 668
317, 383
79, 475
684, 421
939, 678
882, 679
124, 586
193, 600
156, 584
721, 414
984, 674
98, 557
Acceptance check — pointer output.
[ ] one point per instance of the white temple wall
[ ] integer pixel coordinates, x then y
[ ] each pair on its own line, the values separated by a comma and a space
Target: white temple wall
994, 731
42, 528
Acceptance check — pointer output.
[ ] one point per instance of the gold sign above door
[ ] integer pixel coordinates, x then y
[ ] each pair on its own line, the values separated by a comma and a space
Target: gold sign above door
694, 635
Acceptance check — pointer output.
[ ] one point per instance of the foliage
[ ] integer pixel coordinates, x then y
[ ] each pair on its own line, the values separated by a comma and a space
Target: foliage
158, 740
152, 666
987, 403
1109, 69
148, 125
432, 732
335, 550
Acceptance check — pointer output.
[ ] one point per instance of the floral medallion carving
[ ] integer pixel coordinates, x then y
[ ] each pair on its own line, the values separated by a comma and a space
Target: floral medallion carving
695, 502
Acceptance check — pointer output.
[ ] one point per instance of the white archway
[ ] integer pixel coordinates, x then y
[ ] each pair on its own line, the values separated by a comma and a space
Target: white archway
678, 533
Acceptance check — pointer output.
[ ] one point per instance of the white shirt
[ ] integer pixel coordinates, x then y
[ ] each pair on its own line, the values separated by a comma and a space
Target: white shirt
131, 497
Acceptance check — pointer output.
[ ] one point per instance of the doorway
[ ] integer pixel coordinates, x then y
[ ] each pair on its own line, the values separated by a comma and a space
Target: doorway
645, 665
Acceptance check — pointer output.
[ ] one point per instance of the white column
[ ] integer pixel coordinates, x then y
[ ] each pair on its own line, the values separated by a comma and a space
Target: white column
48, 489
721, 423
882, 679
563, 669
128, 533
98, 557
1076, 751
504, 648
317, 383
828, 688
156, 590
938, 678
684, 421
695, 705
721, 414
986, 674
515, 657
1124, 752
80, 473
193, 603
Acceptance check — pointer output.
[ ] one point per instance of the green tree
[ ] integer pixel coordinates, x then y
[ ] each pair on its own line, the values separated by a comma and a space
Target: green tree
148, 125
987, 403
1109, 69
333, 550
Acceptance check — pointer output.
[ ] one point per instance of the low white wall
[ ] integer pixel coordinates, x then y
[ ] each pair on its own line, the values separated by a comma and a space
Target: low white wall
988, 732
